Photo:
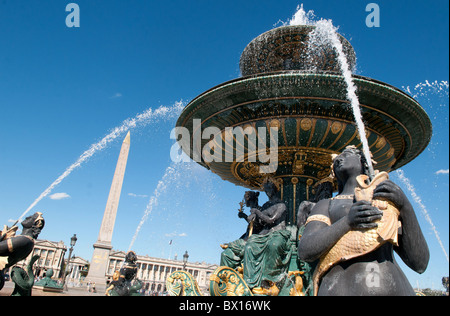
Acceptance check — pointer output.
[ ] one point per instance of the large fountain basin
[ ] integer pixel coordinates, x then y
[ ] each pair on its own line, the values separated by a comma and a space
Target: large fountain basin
315, 120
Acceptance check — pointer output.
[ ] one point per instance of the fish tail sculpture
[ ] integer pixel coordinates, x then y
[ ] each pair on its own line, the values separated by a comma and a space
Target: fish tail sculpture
23, 279
182, 283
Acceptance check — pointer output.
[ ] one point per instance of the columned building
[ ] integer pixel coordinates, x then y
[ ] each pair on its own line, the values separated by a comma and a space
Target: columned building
153, 272
78, 269
51, 254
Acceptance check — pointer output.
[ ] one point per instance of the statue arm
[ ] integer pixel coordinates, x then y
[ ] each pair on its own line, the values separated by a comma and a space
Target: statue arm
109, 289
280, 210
4, 248
243, 215
5, 235
318, 237
413, 248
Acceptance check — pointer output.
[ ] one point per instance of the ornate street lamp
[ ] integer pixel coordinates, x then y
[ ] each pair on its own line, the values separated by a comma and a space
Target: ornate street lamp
73, 241
185, 259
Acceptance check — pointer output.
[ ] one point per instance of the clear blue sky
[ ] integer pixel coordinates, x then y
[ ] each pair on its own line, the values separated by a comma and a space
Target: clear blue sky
63, 89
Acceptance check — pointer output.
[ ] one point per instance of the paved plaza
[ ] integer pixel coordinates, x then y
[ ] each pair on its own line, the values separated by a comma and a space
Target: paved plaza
72, 291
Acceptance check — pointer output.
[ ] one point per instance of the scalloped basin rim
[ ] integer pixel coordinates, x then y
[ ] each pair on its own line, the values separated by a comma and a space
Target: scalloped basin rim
358, 78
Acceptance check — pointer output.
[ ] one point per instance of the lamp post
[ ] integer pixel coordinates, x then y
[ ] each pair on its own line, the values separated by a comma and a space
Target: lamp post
73, 241
185, 259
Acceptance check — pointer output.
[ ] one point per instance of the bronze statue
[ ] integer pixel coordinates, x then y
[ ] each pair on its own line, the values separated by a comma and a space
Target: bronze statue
122, 280
16, 248
264, 251
354, 234
271, 246
234, 251
47, 283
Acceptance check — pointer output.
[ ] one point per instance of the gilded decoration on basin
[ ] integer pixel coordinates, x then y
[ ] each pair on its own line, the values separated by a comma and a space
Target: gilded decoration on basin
304, 147
291, 161
228, 282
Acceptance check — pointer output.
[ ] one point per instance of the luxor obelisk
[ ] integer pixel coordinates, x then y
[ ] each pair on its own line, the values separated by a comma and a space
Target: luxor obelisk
102, 247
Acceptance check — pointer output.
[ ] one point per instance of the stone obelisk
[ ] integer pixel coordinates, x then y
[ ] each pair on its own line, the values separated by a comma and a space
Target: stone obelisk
102, 247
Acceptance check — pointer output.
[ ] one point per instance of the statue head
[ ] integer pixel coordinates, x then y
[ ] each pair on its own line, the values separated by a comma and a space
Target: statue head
129, 269
350, 162
271, 186
49, 273
131, 257
251, 198
33, 225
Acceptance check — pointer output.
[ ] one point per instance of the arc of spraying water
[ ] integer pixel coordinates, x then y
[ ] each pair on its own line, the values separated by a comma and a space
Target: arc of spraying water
172, 175
141, 119
169, 176
401, 175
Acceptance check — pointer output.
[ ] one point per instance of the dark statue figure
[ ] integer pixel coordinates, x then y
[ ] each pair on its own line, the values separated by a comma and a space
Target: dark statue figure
272, 246
48, 284
364, 263
16, 248
265, 250
122, 284
234, 251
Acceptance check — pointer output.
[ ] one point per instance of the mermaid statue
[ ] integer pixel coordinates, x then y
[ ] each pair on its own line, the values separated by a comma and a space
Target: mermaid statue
354, 234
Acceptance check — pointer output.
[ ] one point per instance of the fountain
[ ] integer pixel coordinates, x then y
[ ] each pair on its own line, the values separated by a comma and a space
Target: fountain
303, 97
298, 100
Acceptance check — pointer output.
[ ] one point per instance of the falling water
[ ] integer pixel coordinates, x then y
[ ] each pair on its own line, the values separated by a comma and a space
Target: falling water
433, 95
418, 200
142, 119
326, 34
325, 29
176, 177
171, 175
425, 88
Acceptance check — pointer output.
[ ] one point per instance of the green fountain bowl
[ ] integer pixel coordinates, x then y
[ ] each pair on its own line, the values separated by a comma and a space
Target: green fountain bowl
314, 120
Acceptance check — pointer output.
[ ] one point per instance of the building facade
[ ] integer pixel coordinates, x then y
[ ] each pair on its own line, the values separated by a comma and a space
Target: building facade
78, 269
51, 255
